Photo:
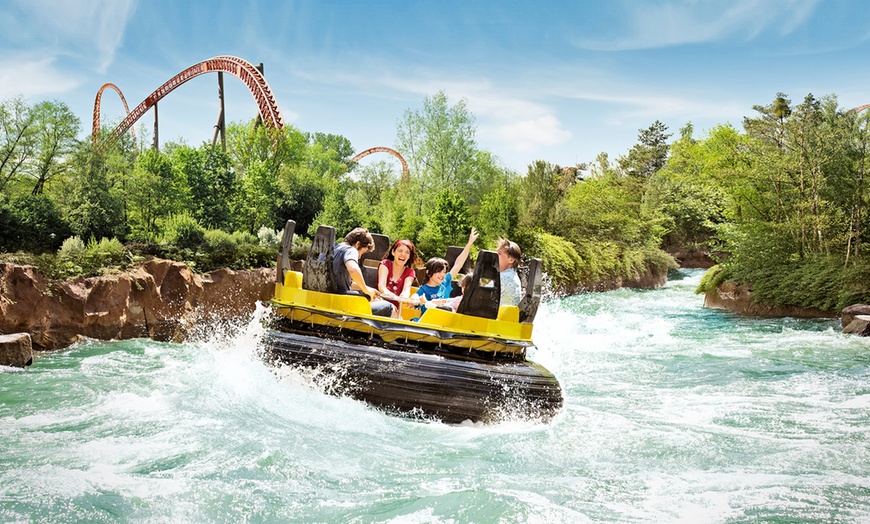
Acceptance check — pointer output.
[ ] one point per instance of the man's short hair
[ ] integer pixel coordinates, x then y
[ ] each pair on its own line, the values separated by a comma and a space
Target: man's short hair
360, 235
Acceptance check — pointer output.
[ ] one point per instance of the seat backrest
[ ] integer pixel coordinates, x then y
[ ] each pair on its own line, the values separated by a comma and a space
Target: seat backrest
317, 274
369, 262
483, 295
452, 254
284, 252
532, 297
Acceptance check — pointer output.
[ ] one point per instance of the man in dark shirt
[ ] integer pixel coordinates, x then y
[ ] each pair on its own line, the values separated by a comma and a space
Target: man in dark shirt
349, 277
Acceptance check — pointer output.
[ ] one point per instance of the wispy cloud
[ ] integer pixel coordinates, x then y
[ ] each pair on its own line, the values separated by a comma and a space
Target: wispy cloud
85, 28
33, 77
667, 23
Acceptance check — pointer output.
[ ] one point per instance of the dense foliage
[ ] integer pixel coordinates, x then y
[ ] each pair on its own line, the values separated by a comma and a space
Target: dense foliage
783, 202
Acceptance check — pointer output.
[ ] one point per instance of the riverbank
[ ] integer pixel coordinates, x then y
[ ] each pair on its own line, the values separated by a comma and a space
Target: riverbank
159, 299
738, 299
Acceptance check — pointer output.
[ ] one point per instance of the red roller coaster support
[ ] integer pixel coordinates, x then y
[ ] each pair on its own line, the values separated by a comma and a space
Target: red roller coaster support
267, 106
380, 149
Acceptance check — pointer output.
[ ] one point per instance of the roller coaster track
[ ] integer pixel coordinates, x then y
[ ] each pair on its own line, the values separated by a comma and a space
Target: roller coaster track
96, 127
381, 149
267, 106
861, 108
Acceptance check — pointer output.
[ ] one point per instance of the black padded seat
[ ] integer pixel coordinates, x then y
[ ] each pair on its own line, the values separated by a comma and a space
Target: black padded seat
532, 297
284, 254
483, 296
317, 273
369, 262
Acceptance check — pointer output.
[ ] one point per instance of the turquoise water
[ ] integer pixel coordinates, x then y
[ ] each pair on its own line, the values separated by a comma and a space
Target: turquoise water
673, 413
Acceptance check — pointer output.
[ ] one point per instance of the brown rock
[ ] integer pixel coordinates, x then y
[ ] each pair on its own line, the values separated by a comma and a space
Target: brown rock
860, 325
16, 350
692, 259
159, 298
739, 300
848, 314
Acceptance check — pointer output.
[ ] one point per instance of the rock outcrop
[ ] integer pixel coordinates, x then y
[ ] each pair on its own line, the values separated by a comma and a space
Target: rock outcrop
648, 280
739, 300
16, 350
157, 299
692, 259
855, 319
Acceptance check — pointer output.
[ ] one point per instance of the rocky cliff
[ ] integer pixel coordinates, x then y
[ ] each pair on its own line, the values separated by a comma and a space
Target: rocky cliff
157, 299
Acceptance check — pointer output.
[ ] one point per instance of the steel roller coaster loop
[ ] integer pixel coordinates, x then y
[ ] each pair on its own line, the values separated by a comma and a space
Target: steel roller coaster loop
267, 106
96, 126
381, 149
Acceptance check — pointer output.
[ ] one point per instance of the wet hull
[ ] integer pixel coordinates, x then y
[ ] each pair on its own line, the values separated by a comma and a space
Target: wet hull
423, 384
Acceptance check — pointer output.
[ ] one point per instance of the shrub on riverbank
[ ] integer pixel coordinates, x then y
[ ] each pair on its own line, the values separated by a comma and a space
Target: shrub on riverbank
572, 266
822, 282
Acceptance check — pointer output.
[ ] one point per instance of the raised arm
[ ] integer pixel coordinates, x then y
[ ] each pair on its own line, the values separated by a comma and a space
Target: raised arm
463, 256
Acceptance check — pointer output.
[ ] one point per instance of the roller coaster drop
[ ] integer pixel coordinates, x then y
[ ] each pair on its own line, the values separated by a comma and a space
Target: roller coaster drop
252, 77
267, 106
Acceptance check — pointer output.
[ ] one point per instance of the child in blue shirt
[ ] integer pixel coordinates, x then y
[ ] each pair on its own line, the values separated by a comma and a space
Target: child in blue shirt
439, 282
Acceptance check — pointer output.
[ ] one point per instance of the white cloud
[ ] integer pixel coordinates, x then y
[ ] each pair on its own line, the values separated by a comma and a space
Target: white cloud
661, 24
33, 77
529, 135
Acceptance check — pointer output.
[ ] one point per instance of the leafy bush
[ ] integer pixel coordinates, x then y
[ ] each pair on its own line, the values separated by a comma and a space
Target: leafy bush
72, 250
269, 237
712, 279
300, 248
560, 258
221, 248
183, 231
243, 237
106, 252
38, 224
252, 256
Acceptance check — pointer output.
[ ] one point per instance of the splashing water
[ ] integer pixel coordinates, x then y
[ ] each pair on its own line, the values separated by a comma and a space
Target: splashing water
673, 413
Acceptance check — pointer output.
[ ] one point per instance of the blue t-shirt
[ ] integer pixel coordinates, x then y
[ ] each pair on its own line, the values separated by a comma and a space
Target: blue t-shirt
432, 292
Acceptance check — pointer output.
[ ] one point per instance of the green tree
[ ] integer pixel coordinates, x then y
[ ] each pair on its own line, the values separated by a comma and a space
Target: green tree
17, 136
91, 208
211, 183
56, 130
153, 194
449, 223
649, 154
439, 145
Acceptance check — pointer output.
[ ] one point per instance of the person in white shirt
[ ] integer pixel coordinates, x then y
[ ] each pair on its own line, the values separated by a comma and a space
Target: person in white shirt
509, 254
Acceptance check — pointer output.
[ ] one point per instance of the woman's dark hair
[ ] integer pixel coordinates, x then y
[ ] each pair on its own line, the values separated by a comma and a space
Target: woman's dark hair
412, 260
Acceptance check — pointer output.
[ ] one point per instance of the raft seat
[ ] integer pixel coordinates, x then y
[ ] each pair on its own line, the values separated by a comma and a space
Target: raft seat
317, 272
369, 262
483, 296
283, 265
528, 307
509, 313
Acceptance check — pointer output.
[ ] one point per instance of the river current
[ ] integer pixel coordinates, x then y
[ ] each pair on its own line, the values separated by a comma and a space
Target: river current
673, 413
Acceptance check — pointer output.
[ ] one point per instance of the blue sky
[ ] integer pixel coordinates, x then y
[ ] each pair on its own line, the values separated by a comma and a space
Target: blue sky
556, 81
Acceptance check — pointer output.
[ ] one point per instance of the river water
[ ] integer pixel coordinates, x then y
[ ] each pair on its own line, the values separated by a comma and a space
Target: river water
673, 413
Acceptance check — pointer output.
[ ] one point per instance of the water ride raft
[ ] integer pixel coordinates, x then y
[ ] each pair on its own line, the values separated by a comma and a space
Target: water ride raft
453, 367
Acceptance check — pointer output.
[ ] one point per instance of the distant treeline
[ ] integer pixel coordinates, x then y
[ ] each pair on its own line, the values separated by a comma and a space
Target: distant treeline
783, 201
